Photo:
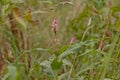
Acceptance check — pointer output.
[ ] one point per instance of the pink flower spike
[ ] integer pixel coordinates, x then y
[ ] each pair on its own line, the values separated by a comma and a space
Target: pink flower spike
55, 25
73, 39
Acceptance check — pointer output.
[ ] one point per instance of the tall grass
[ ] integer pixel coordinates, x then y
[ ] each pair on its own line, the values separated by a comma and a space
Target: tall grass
84, 43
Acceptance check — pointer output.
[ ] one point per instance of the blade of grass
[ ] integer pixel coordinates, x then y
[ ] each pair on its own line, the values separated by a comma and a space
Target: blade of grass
107, 58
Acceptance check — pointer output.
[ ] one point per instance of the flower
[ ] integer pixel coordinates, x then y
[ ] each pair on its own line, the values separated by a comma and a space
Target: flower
55, 25
73, 39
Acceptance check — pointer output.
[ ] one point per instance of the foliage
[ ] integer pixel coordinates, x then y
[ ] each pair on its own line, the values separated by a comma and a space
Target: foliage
31, 50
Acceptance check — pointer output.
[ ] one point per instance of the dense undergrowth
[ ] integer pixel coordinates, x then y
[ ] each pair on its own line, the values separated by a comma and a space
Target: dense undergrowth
59, 40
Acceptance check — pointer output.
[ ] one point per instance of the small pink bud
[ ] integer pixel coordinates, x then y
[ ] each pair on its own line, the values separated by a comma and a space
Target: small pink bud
73, 39
55, 25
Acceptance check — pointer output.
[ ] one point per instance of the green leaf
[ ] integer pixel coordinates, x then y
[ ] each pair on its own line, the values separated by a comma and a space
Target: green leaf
56, 64
115, 9
71, 50
46, 66
12, 70
117, 25
66, 62
62, 49
85, 68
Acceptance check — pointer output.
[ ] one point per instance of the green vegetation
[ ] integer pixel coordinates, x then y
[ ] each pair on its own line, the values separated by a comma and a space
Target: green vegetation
59, 39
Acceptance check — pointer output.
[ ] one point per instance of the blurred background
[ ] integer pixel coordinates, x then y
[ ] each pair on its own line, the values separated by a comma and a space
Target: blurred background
73, 17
